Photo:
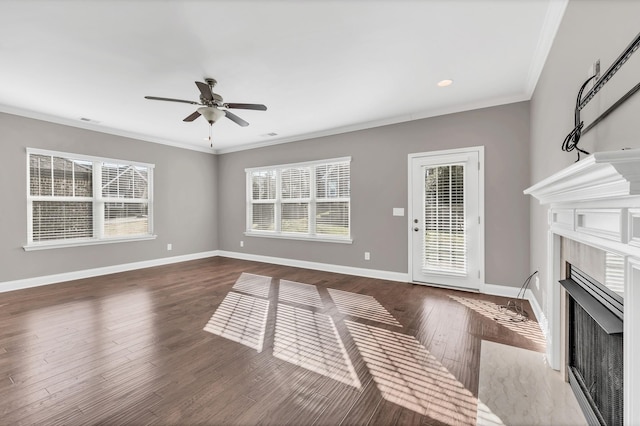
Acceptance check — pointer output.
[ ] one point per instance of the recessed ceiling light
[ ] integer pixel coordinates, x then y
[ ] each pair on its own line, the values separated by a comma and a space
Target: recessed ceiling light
445, 83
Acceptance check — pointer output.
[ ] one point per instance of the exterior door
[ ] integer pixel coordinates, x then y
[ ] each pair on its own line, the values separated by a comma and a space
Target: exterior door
446, 234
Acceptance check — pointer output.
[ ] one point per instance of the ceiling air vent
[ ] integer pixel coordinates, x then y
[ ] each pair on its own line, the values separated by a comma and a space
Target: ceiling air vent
89, 120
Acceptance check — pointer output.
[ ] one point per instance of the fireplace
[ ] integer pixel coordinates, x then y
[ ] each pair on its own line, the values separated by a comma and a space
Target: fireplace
594, 353
595, 205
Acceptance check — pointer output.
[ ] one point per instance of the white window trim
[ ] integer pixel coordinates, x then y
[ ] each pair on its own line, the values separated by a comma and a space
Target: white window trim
85, 242
98, 238
277, 233
296, 236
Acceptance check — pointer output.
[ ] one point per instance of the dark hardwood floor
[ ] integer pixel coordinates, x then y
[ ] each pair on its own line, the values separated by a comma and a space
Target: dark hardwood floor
132, 348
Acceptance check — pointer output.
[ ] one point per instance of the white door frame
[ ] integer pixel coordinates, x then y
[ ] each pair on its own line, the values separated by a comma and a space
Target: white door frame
481, 242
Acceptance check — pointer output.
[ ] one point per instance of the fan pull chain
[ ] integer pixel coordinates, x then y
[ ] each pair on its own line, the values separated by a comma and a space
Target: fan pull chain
210, 131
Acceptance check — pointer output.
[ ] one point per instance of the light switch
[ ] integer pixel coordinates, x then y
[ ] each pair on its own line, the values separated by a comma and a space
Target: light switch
398, 211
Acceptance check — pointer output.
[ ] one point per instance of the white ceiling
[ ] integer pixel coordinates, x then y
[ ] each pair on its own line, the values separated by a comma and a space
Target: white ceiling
321, 67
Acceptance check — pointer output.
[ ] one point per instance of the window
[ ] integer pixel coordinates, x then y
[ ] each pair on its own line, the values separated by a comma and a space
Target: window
444, 219
304, 200
74, 199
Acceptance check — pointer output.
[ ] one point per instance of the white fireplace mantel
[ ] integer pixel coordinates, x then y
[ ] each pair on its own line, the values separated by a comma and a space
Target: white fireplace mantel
603, 175
596, 201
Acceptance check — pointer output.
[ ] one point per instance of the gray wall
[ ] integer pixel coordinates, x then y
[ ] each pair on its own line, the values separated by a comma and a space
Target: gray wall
184, 196
200, 198
379, 183
590, 30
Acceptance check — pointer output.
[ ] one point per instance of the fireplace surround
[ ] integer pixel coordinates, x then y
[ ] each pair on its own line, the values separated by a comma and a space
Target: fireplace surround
596, 203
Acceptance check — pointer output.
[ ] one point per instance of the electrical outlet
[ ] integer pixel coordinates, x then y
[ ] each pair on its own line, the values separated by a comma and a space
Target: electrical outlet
169, 247
367, 255
241, 243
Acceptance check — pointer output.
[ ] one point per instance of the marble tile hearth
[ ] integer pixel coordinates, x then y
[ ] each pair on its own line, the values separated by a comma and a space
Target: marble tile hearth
517, 387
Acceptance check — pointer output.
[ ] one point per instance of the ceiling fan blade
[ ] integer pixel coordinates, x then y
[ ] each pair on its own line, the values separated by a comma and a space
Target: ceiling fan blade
205, 90
193, 116
231, 116
155, 98
258, 107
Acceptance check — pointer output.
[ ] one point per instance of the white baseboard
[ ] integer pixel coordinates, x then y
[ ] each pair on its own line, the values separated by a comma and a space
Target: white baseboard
500, 290
327, 267
88, 273
539, 313
492, 289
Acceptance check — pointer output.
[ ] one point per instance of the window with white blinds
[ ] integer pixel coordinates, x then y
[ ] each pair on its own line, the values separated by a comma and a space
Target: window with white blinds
74, 199
304, 200
444, 219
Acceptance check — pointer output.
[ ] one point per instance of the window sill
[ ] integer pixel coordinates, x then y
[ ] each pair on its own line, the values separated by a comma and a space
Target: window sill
339, 240
80, 243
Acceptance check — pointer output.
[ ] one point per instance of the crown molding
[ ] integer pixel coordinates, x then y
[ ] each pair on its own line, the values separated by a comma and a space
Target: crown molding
98, 128
470, 106
552, 20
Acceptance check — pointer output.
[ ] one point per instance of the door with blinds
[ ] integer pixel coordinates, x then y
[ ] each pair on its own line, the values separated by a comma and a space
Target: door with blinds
446, 237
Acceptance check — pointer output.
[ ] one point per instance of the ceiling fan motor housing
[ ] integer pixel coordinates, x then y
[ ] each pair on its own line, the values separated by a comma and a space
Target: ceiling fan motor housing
215, 101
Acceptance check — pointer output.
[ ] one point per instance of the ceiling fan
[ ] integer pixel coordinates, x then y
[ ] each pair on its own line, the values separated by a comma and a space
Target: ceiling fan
211, 105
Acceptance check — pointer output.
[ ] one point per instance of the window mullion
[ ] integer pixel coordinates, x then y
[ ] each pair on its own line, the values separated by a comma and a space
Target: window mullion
98, 203
277, 213
312, 200
52, 176
73, 179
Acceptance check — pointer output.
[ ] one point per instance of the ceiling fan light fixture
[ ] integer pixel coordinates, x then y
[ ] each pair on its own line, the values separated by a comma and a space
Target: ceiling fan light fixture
211, 114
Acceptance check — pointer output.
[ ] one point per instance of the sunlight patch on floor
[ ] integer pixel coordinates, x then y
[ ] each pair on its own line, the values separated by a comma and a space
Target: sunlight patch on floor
310, 340
408, 375
404, 371
528, 329
257, 285
304, 294
361, 306
241, 318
